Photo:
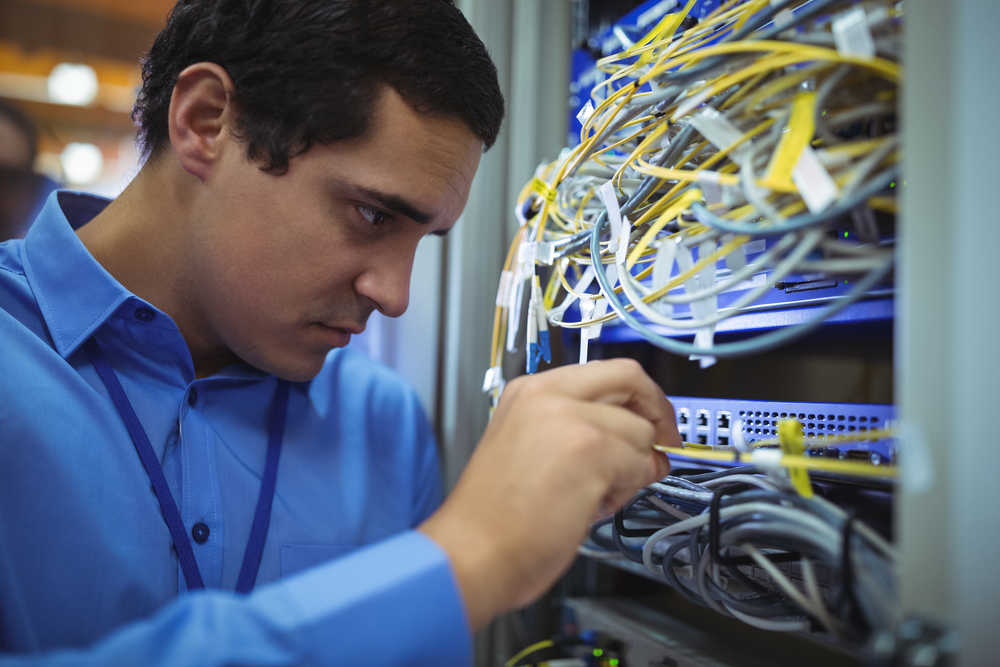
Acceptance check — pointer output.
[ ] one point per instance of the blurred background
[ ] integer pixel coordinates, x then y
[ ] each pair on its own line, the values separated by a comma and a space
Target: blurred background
69, 73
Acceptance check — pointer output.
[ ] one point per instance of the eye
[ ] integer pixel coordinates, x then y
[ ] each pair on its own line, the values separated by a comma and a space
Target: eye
373, 216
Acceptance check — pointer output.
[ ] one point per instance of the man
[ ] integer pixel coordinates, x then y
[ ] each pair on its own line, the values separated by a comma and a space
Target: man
180, 338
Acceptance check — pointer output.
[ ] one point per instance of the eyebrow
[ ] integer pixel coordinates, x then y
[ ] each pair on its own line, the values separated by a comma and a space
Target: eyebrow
396, 204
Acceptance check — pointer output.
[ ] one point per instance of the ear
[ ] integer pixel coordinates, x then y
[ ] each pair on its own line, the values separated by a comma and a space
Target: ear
200, 111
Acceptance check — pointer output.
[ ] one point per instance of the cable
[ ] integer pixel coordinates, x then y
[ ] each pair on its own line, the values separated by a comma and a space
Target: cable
692, 130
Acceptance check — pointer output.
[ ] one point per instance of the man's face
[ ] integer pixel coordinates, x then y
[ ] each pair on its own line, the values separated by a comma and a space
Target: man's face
285, 268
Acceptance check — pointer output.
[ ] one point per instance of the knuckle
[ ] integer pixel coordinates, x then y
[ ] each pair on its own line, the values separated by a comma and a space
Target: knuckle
585, 436
630, 367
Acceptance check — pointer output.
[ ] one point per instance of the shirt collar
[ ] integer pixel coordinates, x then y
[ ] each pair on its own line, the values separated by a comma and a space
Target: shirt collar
74, 292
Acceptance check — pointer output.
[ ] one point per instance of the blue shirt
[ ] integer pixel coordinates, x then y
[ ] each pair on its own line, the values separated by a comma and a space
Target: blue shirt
88, 574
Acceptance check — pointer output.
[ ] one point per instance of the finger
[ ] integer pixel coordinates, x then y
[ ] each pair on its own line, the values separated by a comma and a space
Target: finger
623, 453
621, 382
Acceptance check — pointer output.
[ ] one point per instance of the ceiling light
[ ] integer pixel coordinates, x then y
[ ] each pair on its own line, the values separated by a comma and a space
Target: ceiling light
73, 84
82, 163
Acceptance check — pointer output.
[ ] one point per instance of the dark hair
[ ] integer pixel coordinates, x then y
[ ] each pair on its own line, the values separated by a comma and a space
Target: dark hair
310, 71
25, 126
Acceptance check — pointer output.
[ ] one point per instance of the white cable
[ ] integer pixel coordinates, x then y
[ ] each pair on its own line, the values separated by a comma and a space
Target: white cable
780, 579
812, 589
770, 623
809, 241
668, 508
803, 519
678, 492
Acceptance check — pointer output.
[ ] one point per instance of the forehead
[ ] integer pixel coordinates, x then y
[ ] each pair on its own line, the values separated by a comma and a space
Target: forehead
430, 160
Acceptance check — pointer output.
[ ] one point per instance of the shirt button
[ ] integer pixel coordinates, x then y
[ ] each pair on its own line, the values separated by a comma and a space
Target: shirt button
193, 396
144, 314
200, 533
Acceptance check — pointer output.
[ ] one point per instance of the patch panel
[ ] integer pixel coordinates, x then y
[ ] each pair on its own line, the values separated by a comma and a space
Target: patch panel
712, 420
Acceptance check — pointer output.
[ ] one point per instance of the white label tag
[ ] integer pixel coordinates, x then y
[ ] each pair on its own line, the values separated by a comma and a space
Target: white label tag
709, 183
704, 339
783, 18
614, 213
586, 112
753, 247
718, 129
852, 35
492, 379
526, 252
600, 308
623, 240
663, 268
813, 181
544, 252
505, 277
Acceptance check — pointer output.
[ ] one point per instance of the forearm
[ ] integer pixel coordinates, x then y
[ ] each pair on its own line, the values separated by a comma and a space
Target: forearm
395, 602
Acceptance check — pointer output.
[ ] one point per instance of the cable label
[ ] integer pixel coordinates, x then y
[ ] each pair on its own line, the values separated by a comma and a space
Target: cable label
543, 190
614, 214
852, 34
814, 183
718, 130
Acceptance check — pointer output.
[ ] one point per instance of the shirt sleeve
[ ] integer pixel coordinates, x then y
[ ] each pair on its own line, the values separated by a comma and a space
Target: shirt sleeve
392, 603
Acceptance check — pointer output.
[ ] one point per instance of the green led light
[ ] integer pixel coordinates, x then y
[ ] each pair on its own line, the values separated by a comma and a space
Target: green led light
614, 662
893, 184
845, 235
598, 653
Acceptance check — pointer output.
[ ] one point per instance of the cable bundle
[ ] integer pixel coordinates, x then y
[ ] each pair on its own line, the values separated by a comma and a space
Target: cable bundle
704, 533
768, 121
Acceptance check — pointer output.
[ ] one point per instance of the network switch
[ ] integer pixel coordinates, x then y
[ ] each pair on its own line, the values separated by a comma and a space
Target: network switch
712, 421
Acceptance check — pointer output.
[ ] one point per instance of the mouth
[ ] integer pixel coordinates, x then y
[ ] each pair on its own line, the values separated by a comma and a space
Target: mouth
352, 329
338, 336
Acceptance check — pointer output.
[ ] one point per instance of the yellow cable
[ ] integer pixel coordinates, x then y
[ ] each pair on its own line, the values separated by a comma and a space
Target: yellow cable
820, 464
548, 643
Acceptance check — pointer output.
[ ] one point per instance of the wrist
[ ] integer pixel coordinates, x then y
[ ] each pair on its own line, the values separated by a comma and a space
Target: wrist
476, 564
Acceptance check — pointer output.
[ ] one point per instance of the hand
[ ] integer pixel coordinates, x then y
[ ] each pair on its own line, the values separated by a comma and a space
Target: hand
562, 444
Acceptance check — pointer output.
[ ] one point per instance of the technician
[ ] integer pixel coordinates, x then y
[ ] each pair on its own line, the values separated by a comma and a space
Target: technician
177, 429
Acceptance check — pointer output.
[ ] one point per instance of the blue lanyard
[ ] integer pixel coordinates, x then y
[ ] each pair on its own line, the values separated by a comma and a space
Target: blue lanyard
262, 517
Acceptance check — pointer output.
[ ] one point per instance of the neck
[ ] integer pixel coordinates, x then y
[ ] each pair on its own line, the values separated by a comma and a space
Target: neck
144, 239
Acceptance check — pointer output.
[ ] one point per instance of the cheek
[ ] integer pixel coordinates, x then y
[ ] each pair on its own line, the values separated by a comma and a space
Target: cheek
274, 261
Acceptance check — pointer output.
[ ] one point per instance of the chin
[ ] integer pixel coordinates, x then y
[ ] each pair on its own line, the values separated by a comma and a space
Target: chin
290, 367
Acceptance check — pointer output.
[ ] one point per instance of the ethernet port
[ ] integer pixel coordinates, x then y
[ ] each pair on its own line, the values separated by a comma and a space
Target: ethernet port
703, 439
683, 417
722, 419
723, 440
702, 418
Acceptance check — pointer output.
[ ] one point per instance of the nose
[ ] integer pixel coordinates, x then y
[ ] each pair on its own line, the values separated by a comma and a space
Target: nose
386, 281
